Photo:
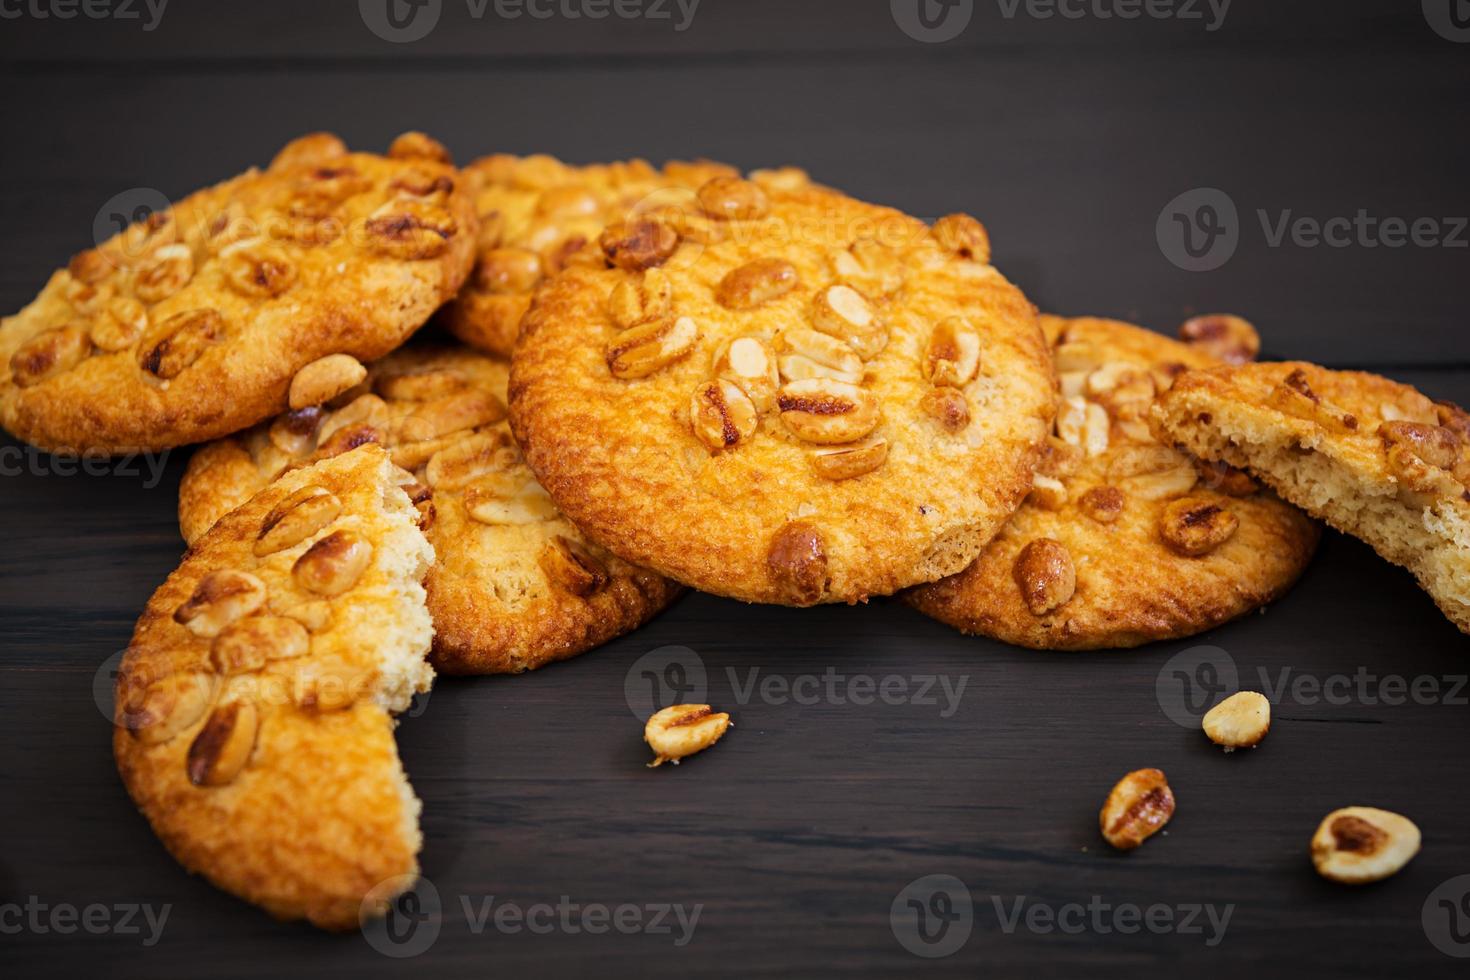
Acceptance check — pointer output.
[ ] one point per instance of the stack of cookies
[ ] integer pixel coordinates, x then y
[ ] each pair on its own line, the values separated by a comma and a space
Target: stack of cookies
647, 380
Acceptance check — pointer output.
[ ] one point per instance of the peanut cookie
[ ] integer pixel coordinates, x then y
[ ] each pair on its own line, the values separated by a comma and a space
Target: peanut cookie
786, 395
192, 323
1372, 457
255, 704
515, 586
539, 216
1123, 540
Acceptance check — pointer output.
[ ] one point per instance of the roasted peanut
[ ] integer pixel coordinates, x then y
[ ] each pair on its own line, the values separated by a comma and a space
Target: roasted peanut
1238, 722
846, 462
1047, 492
223, 746
828, 412
467, 409
249, 644
949, 407
846, 314
809, 354
164, 273
1361, 844
333, 564
1229, 338
1046, 576
962, 235
120, 325
218, 600
1084, 424
682, 730
414, 145
756, 283
297, 518
294, 433
870, 265
1195, 526
47, 354
722, 415
1433, 445
953, 354
256, 270
1137, 808
411, 230
572, 567
508, 499
640, 300
508, 270
733, 199
179, 341
797, 562
1103, 504
749, 363
649, 347
638, 244
168, 707
1295, 397
324, 379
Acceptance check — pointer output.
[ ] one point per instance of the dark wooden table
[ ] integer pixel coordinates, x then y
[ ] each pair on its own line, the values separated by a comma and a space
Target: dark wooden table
797, 837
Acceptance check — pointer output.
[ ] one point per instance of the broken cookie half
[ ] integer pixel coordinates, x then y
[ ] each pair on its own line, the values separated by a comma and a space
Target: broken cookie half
254, 720
1374, 458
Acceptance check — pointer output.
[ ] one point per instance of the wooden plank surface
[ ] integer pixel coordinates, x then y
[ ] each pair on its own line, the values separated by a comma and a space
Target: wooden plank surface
797, 834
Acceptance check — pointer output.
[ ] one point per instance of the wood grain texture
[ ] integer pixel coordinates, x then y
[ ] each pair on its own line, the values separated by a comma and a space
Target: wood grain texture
798, 831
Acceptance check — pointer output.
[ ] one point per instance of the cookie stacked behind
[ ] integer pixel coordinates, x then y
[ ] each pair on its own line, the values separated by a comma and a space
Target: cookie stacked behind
516, 585
193, 323
255, 703
1372, 457
540, 216
785, 395
1125, 540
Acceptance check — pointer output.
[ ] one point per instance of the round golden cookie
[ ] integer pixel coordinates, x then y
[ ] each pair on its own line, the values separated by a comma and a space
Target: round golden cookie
786, 396
254, 718
515, 585
539, 215
1123, 540
193, 323
1374, 458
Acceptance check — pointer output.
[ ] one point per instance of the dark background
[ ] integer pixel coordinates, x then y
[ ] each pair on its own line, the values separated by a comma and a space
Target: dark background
1067, 138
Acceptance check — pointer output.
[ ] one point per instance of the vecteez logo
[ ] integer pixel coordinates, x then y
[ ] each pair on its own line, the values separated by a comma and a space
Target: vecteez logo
1199, 230
932, 916
401, 21
1449, 18
1446, 917
1193, 681
932, 21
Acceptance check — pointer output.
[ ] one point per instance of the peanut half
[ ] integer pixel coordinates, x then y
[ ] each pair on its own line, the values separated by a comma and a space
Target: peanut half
1360, 844
1137, 808
1239, 722
682, 730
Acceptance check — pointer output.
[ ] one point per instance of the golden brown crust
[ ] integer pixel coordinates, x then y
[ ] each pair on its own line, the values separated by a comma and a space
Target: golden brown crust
1372, 457
513, 589
191, 324
261, 748
538, 216
1140, 542
847, 476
